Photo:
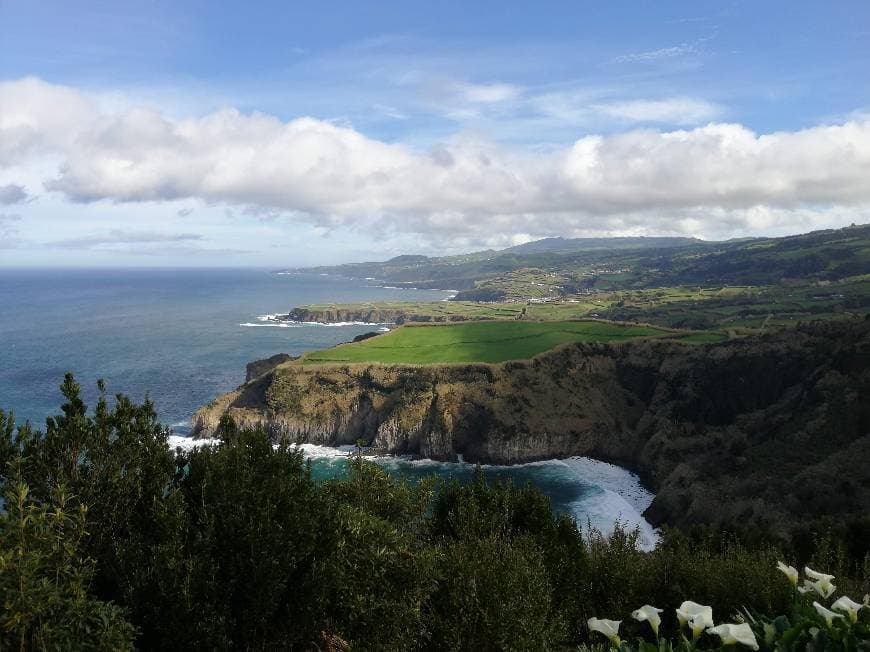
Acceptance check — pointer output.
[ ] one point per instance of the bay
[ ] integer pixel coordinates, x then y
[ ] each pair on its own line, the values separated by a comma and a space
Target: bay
184, 336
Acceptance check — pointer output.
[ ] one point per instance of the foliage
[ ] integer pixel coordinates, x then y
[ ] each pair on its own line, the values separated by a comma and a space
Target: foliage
119, 540
45, 579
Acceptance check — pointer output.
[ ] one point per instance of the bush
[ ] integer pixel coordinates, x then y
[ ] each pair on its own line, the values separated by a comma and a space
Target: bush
110, 539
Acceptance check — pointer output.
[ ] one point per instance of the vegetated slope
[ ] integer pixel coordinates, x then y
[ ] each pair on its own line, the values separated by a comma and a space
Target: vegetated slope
648, 262
568, 245
723, 307
764, 429
486, 341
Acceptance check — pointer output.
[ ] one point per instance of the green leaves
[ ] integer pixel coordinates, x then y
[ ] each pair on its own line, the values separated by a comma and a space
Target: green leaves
45, 579
109, 537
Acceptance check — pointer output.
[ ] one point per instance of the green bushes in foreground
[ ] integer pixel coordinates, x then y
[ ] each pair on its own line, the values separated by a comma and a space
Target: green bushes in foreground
109, 540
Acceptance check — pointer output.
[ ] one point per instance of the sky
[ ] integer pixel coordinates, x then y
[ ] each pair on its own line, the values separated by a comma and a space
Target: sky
280, 134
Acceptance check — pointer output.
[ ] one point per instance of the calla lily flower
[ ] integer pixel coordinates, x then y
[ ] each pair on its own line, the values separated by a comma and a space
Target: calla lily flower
734, 634
827, 614
649, 614
824, 581
610, 628
848, 606
696, 616
826, 590
789, 571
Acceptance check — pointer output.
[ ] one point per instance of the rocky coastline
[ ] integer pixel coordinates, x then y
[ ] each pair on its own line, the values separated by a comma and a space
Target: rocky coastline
366, 316
765, 427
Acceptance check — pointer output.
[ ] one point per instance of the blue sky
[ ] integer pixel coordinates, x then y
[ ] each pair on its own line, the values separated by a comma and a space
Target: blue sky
201, 133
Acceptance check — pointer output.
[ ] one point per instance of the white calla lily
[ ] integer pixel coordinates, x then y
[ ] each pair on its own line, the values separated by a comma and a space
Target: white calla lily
650, 614
610, 628
824, 581
824, 589
790, 572
826, 613
848, 606
734, 634
697, 616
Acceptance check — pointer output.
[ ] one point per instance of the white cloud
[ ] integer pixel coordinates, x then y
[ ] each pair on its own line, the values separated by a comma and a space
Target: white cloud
486, 93
35, 115
716, 179
655, 55
676, 110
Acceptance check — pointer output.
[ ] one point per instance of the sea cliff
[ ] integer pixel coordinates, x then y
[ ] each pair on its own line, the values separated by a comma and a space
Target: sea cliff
771, 427
366, 315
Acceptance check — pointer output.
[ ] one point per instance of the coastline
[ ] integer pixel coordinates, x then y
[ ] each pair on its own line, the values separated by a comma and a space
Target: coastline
607, 493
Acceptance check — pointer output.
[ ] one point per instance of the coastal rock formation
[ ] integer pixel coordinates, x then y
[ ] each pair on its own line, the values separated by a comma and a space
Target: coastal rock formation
769, 427
260, 367
366, 315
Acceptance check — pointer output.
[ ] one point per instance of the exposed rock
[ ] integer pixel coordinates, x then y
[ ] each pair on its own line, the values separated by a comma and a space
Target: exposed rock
770, 427
259, 367
368, 316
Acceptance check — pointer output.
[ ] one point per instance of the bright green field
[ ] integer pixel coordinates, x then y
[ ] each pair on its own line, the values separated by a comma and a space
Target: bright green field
494, 341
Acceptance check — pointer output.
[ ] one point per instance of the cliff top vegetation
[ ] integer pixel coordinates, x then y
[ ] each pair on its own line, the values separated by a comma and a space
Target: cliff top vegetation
480, 341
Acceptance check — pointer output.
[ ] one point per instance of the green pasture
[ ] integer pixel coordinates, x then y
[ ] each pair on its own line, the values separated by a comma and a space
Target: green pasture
495, 341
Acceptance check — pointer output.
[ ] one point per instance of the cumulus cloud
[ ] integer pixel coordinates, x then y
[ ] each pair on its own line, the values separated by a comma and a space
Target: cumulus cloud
12, 194
36, 117
690, 180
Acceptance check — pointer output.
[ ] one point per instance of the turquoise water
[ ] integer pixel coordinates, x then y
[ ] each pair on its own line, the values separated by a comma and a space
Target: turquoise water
184, 336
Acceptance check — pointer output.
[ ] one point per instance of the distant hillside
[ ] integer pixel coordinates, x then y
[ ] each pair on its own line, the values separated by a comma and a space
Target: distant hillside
560, 267
567, 245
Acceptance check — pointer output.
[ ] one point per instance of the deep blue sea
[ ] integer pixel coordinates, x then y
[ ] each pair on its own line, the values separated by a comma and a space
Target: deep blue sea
183, 336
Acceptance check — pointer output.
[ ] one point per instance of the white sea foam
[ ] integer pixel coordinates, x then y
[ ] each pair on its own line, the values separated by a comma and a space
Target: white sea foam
276, 324
339, 323
272, 321
189, 443
615, 494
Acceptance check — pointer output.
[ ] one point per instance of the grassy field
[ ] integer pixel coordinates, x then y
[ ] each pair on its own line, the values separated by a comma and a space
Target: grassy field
733, 308
495, 341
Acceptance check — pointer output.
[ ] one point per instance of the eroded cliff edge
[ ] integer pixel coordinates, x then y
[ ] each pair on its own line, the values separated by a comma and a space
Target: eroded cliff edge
335, 315
766, 428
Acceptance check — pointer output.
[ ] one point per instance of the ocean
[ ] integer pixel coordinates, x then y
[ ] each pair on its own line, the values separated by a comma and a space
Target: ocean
184, 336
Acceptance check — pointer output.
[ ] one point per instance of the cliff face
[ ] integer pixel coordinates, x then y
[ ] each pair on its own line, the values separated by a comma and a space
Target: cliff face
369, 316
769, 427
260, 367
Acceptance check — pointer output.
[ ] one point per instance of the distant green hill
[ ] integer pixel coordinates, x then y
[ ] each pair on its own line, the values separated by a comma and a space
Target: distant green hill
568, 245
560, 267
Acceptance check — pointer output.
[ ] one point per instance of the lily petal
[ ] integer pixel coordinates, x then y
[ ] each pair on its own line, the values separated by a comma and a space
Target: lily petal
790, 572
649, 614
610, 628
827, 614
848, 606
733, 634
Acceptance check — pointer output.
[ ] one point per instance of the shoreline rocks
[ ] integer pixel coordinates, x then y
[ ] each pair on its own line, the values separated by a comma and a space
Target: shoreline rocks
769, 427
